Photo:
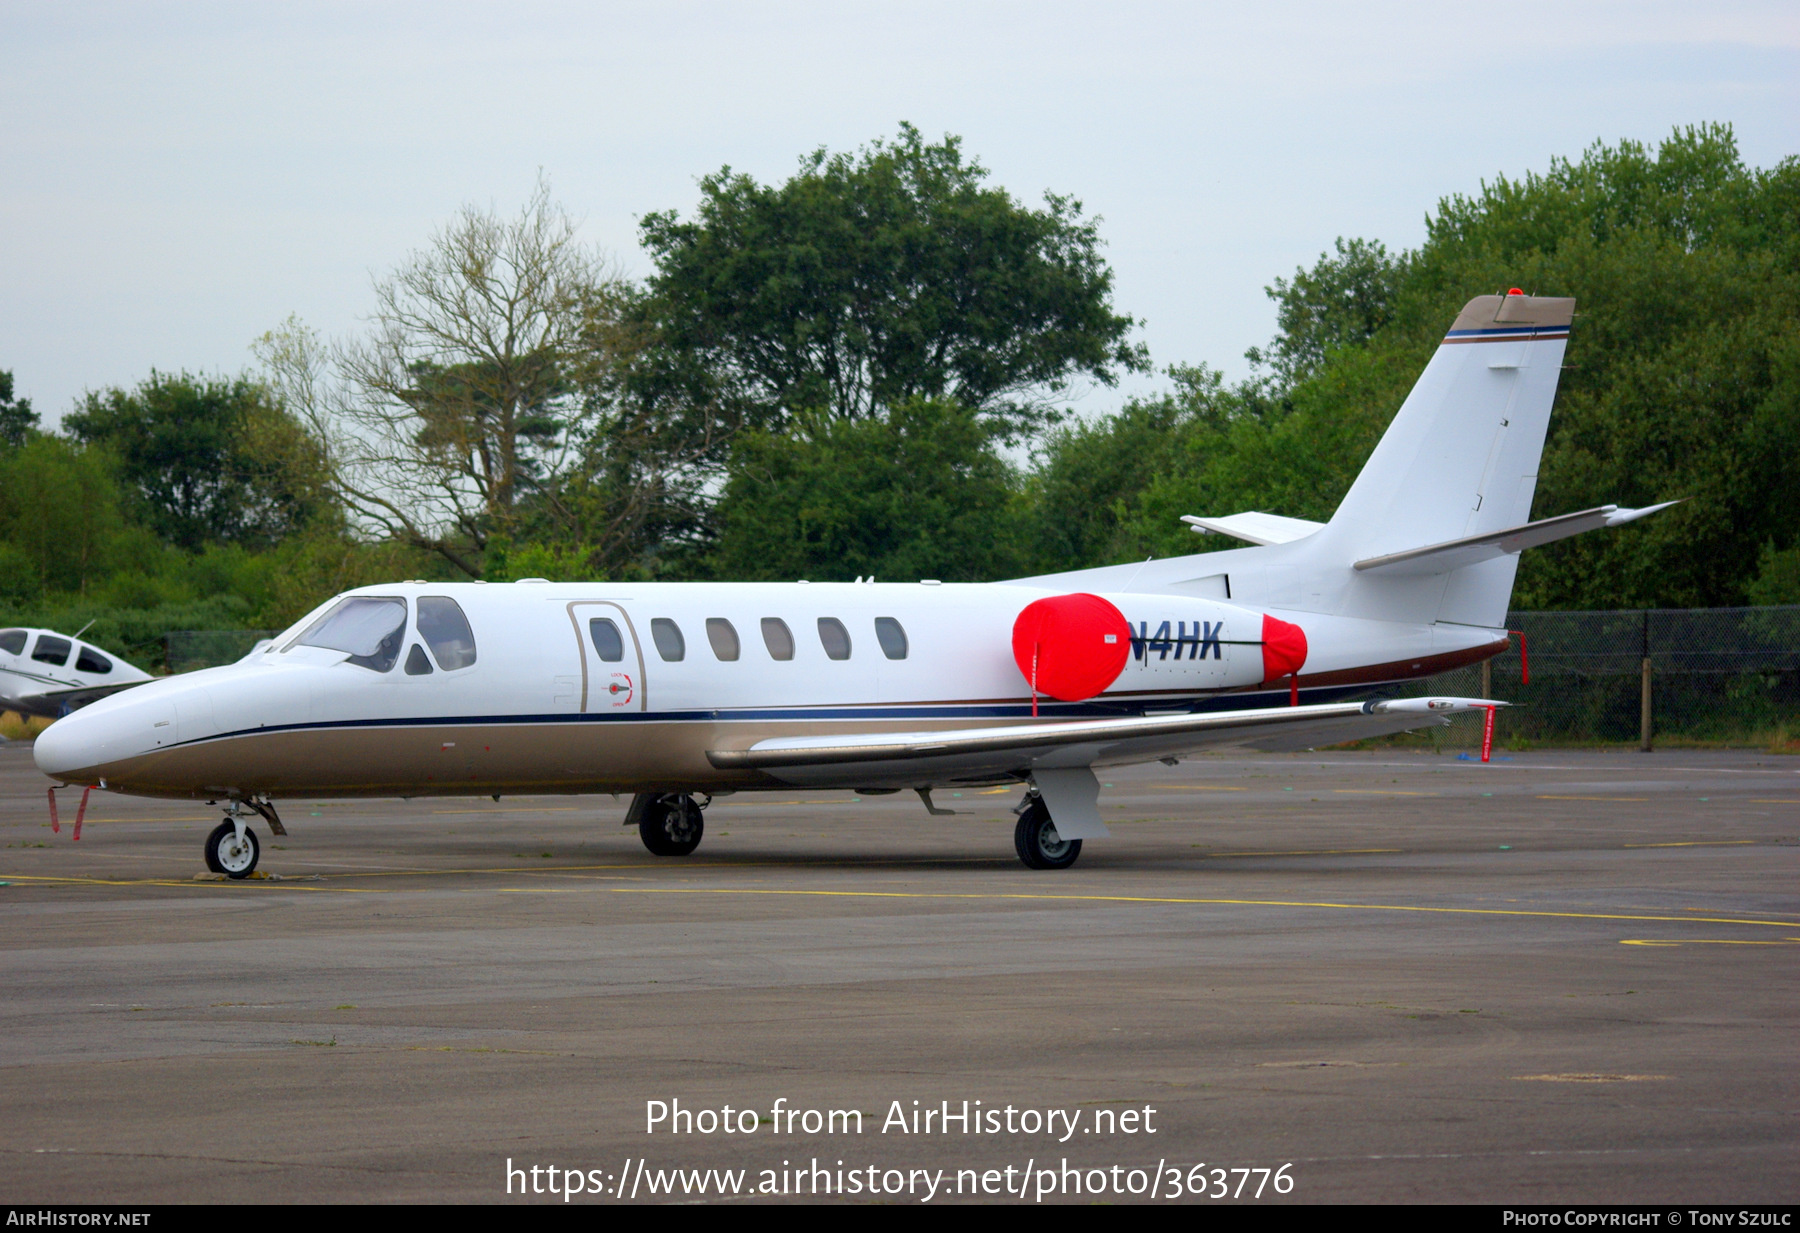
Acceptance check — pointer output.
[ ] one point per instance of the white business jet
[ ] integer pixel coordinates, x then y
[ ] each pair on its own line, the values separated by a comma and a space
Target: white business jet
674, 693
46, 673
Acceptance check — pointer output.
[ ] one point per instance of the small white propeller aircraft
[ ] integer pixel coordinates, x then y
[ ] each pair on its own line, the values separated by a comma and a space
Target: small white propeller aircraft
677, 692
46, 673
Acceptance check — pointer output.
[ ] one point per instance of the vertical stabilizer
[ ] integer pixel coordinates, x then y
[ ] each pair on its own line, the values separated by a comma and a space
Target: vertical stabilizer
1461, 456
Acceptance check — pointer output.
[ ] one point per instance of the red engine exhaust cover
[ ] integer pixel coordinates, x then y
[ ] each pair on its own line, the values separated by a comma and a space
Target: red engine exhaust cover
1284, 649
1071, 646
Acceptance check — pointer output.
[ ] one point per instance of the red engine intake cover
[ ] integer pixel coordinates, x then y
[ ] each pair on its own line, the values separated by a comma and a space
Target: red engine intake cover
1078, 645
1284, 649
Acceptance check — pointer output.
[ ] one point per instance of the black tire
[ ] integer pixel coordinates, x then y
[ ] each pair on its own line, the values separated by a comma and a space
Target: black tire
224, 856
1038, 844
672, 826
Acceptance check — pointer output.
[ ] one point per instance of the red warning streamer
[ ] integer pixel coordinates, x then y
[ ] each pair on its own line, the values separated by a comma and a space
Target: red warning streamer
1487, 732
81, 811
1524, 658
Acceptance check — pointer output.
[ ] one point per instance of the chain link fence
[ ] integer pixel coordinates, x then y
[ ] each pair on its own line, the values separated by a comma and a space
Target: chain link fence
1685, 675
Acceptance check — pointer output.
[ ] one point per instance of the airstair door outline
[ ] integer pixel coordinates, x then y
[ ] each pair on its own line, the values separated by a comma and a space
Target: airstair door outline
612, 658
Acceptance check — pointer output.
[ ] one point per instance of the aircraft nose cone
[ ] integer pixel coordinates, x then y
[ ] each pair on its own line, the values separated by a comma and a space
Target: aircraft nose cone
63, 749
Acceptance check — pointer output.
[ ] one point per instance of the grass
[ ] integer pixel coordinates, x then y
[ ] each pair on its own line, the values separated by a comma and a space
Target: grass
16, 727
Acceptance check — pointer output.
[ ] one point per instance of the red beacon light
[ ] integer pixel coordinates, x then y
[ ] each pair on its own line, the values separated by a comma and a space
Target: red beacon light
1515, 291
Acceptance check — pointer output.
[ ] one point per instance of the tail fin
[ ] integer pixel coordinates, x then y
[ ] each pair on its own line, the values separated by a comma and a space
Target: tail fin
1461, 457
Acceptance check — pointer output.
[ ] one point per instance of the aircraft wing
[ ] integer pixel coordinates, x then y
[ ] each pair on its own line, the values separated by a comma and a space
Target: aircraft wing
55, 703
922, 758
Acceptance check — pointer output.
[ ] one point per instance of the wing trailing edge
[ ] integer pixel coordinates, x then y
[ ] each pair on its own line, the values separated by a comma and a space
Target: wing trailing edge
879, 757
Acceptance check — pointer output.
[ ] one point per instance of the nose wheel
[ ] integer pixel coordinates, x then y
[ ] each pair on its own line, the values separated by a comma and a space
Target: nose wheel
671, 825
232, 849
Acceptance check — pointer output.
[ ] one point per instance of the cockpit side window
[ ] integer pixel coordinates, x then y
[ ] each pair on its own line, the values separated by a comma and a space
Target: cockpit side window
443, 625
370, 628
12, 641
417, 662
93, 661
51, 650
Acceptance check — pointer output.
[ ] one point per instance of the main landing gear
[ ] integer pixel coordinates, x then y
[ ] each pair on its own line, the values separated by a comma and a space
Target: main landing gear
670, 823
233, 849
1035, 837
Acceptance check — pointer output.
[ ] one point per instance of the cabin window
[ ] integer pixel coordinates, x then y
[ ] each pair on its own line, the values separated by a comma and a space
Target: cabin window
723, 637
370, 628
443, 625
669, 642
51, 650
834, 637
417, 662
12, 641
891, 637
608, 645
93, 661
778, 638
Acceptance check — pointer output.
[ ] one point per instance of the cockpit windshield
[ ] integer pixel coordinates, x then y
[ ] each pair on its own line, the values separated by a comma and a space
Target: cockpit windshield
370, 628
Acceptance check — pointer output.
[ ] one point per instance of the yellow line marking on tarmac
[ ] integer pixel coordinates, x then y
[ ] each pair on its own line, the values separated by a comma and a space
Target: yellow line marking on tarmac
1783, 801
1593, 798
1252, 903
1308, 852
374, 873
1197, 787
1709, 941
1380, 792
1695, 843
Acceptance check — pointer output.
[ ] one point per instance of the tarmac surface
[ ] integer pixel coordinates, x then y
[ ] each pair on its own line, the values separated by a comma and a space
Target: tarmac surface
1560, 977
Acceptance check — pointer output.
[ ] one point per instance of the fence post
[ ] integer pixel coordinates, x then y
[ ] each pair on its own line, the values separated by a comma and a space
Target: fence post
1487, 678
1644, 745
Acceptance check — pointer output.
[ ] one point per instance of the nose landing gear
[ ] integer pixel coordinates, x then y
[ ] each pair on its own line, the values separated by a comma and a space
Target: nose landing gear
669, 823
232, 849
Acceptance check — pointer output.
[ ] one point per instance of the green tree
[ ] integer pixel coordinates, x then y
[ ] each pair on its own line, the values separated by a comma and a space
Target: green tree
59, 515
869, 279
17, 420
1342, 301
920, 493
206, 460
1682, 376
466, 396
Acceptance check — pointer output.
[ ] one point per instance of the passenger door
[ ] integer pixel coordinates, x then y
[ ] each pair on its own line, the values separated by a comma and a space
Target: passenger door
612, 659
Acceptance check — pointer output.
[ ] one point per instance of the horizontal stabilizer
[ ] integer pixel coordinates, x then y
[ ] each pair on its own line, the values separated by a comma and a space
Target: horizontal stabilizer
1255, 528
1473, 549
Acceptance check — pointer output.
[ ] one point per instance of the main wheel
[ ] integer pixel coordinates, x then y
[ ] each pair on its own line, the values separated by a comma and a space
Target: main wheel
1040, 847
226, 855
672, 826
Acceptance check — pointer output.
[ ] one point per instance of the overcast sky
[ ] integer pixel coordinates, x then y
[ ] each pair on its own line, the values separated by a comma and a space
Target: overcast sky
177, 178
